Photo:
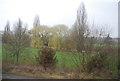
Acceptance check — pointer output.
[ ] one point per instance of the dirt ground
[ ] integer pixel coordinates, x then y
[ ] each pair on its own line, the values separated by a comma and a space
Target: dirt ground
31, 70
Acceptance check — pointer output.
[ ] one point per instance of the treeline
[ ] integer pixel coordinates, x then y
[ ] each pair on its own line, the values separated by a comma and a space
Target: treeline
90, 48
59, 36
77, 38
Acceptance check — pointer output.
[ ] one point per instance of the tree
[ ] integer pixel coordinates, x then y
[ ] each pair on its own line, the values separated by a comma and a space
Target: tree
6, 39
36, 22
40, 36
80, 27
20, 37
58, 34
108, 39
6, 34
49, 36
7, 27
19, 40
79, 34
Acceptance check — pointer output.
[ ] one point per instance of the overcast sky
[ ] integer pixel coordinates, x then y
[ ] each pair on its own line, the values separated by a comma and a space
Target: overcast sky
52, 12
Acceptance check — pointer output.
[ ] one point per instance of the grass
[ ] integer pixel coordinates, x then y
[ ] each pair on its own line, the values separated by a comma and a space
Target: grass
64, 58
28, 54
113, 63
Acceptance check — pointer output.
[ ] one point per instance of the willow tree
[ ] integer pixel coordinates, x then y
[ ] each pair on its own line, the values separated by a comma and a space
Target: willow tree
40, 36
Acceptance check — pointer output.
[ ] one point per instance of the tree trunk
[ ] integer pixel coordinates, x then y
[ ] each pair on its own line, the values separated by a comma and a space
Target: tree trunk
6, 57
17, 56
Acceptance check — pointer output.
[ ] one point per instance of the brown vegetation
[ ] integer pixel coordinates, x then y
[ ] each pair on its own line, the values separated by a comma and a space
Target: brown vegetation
46, 57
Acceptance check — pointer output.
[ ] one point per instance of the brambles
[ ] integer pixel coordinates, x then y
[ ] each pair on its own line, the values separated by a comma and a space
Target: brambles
96, 62
100, 60
46, 57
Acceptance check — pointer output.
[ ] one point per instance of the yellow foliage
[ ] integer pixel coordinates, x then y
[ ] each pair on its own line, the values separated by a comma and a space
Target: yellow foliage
36, 35
55, 35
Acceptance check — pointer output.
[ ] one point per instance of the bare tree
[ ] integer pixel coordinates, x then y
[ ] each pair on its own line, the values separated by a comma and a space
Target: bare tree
80, 33
6, 37
6, 34
17, 40
108, 40
80, 28
36, 21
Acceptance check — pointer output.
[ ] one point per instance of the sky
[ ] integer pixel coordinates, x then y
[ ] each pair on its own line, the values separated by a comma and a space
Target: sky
103, 13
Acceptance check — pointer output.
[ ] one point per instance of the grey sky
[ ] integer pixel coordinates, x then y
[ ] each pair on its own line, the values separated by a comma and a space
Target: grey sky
52, 12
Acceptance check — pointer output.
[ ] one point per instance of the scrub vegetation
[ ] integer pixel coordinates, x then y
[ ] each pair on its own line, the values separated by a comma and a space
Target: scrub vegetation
80, 52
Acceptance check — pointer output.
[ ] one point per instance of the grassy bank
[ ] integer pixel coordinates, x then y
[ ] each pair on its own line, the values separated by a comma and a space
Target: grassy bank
65, 59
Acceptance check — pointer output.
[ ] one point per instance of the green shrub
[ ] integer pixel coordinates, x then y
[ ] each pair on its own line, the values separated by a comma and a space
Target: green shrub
46, 57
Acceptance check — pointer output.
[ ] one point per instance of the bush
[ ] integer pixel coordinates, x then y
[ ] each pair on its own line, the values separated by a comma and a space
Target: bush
46, 57
98, 61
